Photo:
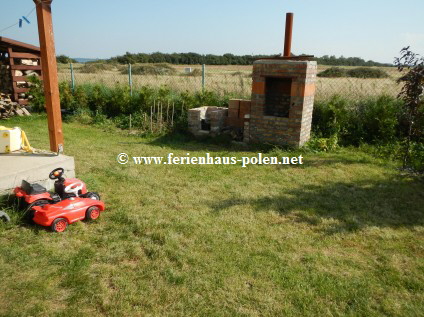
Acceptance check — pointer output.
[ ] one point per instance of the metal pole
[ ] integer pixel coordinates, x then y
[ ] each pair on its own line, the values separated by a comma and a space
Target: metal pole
203, 77
130, 79
72, 78
288, 35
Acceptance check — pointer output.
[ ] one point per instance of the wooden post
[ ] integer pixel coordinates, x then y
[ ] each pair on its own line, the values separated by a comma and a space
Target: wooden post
49, 68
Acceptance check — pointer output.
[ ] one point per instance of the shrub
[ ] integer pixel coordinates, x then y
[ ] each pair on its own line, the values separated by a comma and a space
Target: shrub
396, 151
359, 72
333, 72
116, 103
322, 144
412, 95
367, 72
37, 102
63, 59
373, 120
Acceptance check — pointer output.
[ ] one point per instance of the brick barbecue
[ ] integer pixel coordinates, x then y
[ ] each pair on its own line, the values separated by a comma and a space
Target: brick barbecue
281, 106
282, 101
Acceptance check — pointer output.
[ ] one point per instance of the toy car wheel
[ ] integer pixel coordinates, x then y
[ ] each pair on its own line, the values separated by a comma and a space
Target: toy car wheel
59, 225
92, 195
92, 213
29, 213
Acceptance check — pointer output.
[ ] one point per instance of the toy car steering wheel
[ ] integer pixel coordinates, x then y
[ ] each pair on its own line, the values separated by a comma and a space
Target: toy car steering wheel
74, 188
57, 173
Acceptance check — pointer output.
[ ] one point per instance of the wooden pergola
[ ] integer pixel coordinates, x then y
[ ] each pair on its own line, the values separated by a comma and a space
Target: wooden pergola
49, 69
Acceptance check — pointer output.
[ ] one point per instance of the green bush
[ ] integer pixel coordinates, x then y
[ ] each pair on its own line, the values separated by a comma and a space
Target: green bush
116, 103
333, 72
359, 72
63, 59
373, 120
322, 144
37, 102
395, 151
367, 72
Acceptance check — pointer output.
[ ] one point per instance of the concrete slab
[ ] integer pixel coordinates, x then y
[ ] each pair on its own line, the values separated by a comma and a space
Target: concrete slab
34, 168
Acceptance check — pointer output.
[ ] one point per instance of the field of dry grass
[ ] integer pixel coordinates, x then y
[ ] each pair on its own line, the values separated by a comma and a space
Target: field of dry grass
235, 81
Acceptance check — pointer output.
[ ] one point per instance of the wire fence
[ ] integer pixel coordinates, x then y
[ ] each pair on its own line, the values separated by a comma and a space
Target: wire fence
230, 80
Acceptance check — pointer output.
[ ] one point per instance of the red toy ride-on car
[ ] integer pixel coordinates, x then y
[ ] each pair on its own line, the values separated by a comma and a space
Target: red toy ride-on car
70, 202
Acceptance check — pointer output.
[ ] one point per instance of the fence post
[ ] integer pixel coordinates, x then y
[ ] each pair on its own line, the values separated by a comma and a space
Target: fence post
72, 78
130, 79
203, 77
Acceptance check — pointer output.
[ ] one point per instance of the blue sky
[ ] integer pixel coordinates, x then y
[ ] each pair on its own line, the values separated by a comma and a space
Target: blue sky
371, 29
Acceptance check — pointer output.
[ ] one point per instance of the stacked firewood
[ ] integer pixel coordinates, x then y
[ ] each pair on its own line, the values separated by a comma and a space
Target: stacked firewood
8, 108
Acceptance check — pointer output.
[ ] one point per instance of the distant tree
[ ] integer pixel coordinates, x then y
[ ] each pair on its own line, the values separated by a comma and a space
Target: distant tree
412, 95
63, 59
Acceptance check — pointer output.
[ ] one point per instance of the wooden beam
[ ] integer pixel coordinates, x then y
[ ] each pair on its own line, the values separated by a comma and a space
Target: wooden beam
23, 101
20, 90
49, 68
24, 78
12, 72
4, 41
25, 67
24, 55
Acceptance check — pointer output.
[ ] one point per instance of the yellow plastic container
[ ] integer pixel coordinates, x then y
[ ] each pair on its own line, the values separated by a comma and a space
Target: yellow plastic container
10, 139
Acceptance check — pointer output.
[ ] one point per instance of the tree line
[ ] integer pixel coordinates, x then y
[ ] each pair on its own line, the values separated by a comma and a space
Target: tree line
228, 59
211, 59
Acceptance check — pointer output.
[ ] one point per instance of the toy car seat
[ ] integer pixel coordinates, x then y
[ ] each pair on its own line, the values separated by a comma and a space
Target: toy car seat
33, 189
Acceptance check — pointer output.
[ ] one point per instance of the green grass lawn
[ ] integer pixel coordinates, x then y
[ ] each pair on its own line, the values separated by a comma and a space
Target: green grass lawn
341, 235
